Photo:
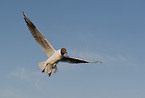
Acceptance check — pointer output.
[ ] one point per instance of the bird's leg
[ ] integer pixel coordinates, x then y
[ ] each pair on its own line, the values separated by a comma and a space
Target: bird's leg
53, 65
49, 73
44, 68
51, 70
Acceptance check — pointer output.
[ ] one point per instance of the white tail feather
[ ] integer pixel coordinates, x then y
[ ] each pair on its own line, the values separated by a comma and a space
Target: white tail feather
42, 65
48, 68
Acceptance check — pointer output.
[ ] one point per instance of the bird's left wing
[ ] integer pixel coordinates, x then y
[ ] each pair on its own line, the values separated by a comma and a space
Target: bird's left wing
39, 38
75, 60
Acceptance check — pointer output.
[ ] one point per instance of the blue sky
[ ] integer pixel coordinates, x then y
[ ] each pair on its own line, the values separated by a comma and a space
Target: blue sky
111, 31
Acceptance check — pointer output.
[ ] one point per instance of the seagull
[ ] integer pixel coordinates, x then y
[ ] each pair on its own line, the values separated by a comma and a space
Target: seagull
54, 56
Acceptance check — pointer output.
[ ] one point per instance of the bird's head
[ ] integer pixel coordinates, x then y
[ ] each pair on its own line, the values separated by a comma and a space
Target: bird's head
63, 51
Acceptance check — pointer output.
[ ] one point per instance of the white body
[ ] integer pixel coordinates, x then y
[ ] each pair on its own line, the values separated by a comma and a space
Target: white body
50, 64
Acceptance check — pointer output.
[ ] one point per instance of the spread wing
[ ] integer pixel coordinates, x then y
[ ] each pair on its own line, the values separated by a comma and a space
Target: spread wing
39, 38
75, 60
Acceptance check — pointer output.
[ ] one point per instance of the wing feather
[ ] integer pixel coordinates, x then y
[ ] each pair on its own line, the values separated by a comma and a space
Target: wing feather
75, 60
39, 38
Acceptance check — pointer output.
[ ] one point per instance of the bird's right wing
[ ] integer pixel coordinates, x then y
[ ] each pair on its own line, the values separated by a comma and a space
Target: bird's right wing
39, 38
75, 60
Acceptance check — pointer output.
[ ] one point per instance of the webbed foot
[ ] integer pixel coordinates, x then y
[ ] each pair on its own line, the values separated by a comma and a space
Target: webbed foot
49, 74
43, 70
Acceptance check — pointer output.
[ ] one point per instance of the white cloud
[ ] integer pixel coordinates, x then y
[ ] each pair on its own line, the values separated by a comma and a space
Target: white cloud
107, 59
26, 75
91, 55
20, 73
10, 93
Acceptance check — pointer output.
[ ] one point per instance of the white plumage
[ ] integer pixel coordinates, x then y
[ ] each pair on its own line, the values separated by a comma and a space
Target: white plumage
49, 66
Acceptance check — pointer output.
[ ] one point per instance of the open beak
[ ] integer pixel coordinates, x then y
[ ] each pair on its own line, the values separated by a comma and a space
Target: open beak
66, 53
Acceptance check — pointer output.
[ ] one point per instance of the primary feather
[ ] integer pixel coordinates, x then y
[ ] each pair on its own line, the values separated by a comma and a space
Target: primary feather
39, 38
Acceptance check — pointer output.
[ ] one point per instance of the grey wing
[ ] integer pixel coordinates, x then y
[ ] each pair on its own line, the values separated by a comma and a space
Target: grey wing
39, 38
76, 60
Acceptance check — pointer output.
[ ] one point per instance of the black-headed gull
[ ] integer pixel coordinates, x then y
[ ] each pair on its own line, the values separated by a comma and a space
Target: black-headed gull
49, 66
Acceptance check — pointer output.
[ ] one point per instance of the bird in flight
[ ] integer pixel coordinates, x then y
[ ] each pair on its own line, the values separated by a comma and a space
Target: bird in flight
54, 56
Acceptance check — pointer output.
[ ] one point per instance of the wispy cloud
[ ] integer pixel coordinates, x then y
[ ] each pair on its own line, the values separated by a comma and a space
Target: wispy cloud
20, 73
106, 58
26, 75
114, 58
11, 93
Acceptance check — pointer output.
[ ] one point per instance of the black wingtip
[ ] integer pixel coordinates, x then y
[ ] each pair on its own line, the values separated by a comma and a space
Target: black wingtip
28, 21
23, 12
98, 62
24, 15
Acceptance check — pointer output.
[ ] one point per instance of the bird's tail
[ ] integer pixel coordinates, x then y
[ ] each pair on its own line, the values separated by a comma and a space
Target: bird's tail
47, 68
42, 65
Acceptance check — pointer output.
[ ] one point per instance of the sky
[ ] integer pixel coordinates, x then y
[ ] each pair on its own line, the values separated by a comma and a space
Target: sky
110, 31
